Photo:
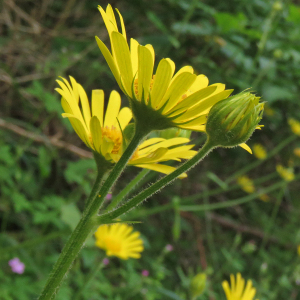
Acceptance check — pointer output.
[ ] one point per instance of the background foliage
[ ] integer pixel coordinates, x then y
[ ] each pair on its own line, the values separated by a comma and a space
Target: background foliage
214, 226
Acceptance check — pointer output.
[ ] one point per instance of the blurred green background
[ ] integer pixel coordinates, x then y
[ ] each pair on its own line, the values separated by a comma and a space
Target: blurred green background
214, 226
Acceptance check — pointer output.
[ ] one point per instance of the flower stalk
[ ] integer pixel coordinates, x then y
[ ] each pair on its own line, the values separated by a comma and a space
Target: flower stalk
87, 222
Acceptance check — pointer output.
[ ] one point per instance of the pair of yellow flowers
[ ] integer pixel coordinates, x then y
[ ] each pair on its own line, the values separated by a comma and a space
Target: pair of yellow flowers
163, 100
120, 240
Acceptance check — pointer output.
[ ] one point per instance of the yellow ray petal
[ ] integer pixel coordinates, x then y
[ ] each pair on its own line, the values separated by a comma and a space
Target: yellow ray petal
134, 56
110, 61
84, 104
96, 133
124, 117
151, 49
122, 24
113, 109
123, 59
150, 142
201, 82
184, 69
176, 90
111, 16
164, 144
160, 168
200, 108
98, 105
79, 129
162, 80
246, 147
145, 72
193, 99
151, 158
110, 26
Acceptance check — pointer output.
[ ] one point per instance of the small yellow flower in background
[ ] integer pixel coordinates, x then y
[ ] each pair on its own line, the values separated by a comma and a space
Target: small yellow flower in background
286, 173
295, 126
298, 250
103, 133
246, 184
162, 100
237, 290
264, 197
297, 152
259, 151
119, 240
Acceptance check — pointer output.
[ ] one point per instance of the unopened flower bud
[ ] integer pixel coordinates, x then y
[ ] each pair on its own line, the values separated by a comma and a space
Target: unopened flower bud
197, 285
232, 121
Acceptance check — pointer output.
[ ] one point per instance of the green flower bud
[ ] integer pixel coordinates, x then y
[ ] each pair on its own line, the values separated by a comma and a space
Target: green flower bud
197, 285
232, 121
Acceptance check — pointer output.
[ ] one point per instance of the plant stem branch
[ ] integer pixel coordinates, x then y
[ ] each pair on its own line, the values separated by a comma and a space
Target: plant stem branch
87, 222
157, 185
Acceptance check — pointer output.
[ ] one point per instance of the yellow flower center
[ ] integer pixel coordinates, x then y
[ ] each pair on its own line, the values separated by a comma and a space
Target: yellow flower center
136, 86
115, 136
113, 246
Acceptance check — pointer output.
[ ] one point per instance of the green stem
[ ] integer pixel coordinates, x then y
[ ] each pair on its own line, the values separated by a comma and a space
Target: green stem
91, 276
259, 162
273, 217
87, 222
157, 185
235, 202
213, 206
116, 200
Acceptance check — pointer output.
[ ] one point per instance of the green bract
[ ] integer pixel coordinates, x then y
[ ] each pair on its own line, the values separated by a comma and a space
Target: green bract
232, 121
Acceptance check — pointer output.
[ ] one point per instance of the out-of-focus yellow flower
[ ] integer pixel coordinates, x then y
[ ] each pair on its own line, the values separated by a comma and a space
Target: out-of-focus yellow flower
119, 240
103, 133
297, 152
162, 100
237, 290
246, 184
295, 126
286, 173
264, 197
259, 151
298, 250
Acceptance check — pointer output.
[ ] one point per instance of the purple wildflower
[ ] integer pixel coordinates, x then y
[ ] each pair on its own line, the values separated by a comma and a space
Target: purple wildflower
16, 265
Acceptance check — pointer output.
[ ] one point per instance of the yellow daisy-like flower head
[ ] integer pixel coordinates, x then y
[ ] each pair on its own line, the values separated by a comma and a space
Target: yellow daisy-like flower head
246, 184
259, 151
100, 132
295, 126
119, 240
162, 100
286, 173
237, 290
104, 133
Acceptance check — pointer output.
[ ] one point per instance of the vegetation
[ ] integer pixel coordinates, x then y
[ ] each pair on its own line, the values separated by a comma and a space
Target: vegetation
235, 212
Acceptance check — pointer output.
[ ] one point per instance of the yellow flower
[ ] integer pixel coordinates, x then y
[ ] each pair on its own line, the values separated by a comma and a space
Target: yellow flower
297, 152
264, 197
246, 184
238, 291
286, 173
162, 100
118, 240
259, 151
298, 250
295, 126
103, 133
